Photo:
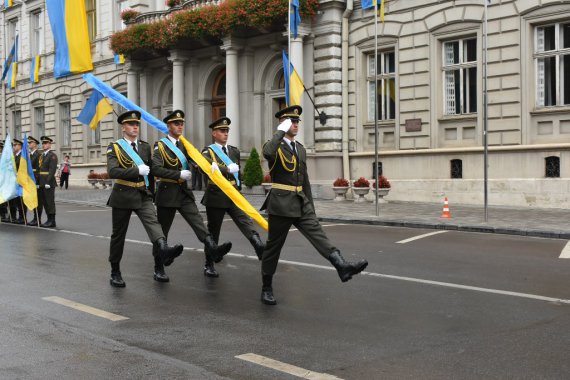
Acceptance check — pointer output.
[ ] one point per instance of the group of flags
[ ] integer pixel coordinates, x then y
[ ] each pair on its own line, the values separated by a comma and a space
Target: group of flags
17, 183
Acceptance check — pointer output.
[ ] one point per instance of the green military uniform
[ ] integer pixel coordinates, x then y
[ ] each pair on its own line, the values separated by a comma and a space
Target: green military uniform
34, 159
218, 203
47, 166
173, 193
290, 202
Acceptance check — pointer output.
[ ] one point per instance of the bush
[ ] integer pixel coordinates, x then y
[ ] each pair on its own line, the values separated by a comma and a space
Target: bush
340, 182
252, 173
361, 182
129, 14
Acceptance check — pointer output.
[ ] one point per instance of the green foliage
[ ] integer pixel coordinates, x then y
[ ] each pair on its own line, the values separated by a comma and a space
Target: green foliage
252, 173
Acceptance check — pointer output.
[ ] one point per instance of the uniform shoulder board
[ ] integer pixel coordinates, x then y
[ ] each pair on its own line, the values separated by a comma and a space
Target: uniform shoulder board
299, 143
143, 142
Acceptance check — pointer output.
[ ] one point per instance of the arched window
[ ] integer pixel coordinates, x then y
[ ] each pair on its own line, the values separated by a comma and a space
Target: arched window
219, 96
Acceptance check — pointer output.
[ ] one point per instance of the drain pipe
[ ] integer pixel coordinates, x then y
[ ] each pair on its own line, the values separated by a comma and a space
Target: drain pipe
345, 159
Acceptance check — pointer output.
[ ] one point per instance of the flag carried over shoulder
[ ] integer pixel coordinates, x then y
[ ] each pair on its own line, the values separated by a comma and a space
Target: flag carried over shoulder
293, 84
8, 183
26, 178
96, 108
367, 4
68, 21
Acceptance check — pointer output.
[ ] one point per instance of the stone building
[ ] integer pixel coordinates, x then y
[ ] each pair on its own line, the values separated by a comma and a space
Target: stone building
430, 80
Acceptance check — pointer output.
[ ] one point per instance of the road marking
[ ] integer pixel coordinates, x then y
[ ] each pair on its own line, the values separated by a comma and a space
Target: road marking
85, 308
286, 368
565, 252
420, 237
324, 225
105, 210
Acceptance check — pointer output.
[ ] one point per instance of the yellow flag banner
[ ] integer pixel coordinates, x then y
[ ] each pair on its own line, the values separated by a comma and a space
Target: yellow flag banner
224, 184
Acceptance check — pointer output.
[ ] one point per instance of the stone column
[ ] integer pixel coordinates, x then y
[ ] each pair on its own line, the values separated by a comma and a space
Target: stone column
232, 46
133, 82
145, 99
178, 61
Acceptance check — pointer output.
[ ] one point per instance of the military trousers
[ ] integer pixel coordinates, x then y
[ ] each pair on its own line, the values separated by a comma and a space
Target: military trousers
189, 212
17, 206
46, 200
216, 218
279, 226
121, 218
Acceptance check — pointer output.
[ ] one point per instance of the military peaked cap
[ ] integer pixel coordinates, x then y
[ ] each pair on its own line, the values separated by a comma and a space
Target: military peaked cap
46, 139
175, 115
30, 139
129, 116
292, 112
222, 123
16, 141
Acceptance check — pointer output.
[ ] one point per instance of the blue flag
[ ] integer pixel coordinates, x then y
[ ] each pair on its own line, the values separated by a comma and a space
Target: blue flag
8, 184
12, 57
295, 17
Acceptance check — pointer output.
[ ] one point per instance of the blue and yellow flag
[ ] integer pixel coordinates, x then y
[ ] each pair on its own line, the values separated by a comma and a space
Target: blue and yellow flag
8, 3
8, 183
13, 75
294, 86
26, 178
295, 17
35, 69
119, 59
367, 4
96, 108
68, 21
12, 57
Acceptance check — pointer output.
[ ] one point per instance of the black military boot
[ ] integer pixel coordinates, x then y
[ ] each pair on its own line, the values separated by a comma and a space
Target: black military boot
116, 279
50, 223
346, 269
159, 274
20, 220
209, 269
166, 253
33, 222
258, 245
267, 291
214, 251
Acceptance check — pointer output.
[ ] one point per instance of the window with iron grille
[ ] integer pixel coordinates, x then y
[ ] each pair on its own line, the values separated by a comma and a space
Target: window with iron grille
456, 169
460, 76
552, 62
385, 76
552, 167
65, 122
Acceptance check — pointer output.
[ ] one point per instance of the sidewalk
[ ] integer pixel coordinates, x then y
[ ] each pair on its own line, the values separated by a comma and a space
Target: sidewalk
551, 223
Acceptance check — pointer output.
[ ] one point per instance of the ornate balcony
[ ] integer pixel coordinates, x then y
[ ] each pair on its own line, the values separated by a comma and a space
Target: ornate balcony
150, 17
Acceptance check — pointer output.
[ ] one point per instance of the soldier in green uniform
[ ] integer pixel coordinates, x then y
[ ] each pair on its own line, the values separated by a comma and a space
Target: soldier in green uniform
217, 203
34, 156
129, 163
290, 202
172, 168
16, 205
47, 166
3, 206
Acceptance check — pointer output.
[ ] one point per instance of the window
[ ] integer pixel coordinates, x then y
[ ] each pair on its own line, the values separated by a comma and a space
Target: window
91, 10
12, 32
460, 76
39, 121
17, 124
552, 166
121, 6
456, 168
219, 96
36, 34
65, 122
95, 135
552, 62
385, 76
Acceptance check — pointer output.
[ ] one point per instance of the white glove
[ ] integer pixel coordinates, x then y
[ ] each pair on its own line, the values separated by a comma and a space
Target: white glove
285, 125
215, 167
37, 186
185, 175
144, 170
47, 186
233, 168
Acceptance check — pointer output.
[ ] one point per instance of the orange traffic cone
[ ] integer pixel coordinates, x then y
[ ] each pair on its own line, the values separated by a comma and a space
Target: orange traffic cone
446, 213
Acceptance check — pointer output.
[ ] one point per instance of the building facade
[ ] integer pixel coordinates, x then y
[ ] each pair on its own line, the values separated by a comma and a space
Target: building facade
429, 75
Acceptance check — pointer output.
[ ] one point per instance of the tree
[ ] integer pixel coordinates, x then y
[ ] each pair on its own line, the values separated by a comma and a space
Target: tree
252, 173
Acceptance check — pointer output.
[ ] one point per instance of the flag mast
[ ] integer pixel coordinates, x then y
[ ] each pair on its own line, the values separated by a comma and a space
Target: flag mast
287, 72
485, 117
376, 9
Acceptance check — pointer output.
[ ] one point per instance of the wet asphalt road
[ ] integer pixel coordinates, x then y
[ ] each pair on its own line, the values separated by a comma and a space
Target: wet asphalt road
373, 327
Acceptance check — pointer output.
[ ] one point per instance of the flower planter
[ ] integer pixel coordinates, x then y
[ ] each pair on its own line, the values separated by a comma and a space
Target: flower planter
381, 193
106, 183
361, 192
267, 186
93, 182
340, 192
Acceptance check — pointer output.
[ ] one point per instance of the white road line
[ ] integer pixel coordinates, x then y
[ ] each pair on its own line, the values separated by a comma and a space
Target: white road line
565, 252
401, 278
420, 237
85, 308
324, 225
286, 368
104, 210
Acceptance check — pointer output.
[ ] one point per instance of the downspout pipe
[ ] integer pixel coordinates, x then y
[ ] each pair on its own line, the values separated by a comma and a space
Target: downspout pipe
344, 52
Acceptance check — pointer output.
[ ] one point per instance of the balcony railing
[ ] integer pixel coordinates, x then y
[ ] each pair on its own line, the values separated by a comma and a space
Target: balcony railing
150, 17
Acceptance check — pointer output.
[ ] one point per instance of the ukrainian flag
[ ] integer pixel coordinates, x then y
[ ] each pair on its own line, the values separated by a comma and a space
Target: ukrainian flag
96, 108
26, 178
68, 21
8, 184
295, 17
119, 59
35, 69
8, 3
13, 75
12, 57
367, 4
294, 86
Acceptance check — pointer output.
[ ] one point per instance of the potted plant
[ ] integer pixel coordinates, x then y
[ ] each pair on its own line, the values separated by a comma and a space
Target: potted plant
129, 14
104, 180
173, 3
266, 183
340, 188
383, 188
93, 178
361, 187
253, 174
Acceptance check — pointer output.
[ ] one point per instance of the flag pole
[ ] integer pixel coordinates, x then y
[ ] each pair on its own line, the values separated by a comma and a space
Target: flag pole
289, 44
23, 210
376, 104
485, 118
